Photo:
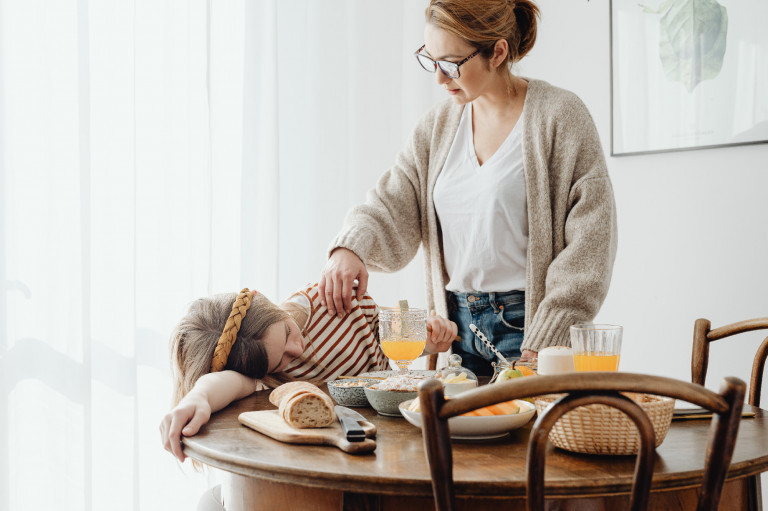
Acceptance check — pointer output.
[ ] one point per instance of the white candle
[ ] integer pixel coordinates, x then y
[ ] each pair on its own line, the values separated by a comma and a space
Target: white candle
556, 360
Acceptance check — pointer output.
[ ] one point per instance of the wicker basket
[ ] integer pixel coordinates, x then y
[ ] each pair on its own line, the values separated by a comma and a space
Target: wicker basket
602, 429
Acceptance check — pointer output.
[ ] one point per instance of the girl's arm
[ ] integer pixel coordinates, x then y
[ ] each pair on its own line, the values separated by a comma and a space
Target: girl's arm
211, 393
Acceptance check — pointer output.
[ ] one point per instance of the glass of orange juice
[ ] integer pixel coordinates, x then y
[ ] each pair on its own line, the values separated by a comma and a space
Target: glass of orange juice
596, 347
402, 334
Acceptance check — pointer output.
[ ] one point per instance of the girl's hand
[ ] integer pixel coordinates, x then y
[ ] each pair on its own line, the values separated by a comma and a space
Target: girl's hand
186, 419
441, 332
530, 354
337, 281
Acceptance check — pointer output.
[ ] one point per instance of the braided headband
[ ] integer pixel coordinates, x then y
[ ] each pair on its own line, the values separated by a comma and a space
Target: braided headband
229, 335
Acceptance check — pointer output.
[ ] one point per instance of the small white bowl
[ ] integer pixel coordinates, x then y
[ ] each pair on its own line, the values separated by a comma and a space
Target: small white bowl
479, 427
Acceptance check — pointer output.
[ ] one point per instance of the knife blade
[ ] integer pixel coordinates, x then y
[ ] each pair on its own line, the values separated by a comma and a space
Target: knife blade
349, 420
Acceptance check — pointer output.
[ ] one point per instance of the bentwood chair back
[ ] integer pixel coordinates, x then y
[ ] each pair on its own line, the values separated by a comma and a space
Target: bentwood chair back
582, 389
703, 334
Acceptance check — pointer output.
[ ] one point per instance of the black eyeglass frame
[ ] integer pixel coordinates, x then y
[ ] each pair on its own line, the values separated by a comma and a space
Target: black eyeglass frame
436, 63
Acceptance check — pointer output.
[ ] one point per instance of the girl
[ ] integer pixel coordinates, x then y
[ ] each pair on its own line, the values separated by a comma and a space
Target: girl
228, 346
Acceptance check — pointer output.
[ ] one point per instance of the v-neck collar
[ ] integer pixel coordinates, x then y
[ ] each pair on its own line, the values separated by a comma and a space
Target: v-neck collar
469, 134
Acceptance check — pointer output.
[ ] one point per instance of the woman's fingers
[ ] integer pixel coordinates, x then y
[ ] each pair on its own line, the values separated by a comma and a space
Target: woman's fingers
441, 333
321, 289
327, 296
337, 282
362, 283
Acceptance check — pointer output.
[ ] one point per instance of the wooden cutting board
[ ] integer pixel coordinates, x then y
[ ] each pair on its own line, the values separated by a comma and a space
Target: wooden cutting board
269, 422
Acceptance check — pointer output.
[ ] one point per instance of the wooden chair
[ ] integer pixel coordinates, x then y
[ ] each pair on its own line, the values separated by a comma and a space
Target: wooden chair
703, 334
581, 389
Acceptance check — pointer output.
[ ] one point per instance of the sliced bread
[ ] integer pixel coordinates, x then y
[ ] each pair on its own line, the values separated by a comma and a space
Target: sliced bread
283, 390
307, 410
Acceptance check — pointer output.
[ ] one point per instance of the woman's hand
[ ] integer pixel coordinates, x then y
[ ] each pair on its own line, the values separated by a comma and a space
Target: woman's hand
337, 281
441, 333
186, 419
530, 354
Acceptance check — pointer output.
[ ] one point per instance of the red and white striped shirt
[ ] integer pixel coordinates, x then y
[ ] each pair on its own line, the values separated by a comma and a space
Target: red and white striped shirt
338, 346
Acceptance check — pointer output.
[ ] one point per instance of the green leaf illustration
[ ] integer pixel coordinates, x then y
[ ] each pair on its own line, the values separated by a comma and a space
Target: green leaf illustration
692, 35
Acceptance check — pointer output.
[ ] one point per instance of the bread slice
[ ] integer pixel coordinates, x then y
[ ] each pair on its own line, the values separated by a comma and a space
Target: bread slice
306, 409
283, 390
303, 405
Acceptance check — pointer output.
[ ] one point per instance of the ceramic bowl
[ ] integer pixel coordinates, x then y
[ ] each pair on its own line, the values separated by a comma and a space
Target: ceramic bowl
349, 391
387, 402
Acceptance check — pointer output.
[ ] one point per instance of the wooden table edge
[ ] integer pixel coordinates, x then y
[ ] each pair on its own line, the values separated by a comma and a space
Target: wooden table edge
423, 488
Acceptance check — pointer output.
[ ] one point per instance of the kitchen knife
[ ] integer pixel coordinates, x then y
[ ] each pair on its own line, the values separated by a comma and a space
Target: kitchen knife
349, 420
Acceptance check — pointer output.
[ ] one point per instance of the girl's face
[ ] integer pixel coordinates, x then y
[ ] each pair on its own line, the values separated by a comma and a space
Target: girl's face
284, 343
475, 75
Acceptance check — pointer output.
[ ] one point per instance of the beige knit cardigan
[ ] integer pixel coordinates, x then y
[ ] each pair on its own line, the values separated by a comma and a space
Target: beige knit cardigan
571, 212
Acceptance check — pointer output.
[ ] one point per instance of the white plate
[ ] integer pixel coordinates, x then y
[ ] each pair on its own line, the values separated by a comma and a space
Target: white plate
478, 428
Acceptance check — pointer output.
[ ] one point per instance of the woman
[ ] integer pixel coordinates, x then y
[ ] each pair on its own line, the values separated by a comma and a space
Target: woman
504, 186
228, 346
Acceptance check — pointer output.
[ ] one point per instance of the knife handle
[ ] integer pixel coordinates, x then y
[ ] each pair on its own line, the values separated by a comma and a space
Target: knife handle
352, 429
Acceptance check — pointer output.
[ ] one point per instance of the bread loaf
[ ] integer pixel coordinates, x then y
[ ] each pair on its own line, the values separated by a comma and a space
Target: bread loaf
303, 405
283, 390
307, 410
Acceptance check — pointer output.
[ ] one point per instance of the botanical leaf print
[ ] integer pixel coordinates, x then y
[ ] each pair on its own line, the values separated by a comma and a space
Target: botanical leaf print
692, 35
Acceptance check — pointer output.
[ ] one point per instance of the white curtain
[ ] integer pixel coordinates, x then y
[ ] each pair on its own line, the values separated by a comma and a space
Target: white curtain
152, 152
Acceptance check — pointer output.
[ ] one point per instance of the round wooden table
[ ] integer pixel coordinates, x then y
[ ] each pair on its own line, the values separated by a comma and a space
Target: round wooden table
267, 474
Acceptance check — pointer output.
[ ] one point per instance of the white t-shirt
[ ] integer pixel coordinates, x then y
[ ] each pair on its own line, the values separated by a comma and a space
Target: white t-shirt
483, 213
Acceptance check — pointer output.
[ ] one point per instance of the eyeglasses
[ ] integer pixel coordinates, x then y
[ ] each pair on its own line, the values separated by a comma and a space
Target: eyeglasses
449, 69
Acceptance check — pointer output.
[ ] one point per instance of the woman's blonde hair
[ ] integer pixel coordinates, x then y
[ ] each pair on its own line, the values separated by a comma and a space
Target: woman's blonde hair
481, 23
194, 339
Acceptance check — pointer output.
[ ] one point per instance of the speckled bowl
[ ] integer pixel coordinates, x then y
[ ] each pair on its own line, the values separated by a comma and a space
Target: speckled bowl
349, 391
387, 402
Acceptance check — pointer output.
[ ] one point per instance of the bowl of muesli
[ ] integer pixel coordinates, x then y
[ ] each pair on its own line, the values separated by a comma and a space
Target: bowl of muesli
386, 395
350, 391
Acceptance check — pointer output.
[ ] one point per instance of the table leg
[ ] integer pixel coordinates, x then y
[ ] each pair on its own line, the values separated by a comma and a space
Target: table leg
754, 493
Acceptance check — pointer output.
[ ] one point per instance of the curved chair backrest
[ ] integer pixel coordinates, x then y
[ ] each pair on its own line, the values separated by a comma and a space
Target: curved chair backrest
703, 334
581, 389
537, 445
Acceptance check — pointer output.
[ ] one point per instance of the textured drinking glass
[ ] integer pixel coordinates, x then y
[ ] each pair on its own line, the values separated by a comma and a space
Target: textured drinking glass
402, 334
596, 347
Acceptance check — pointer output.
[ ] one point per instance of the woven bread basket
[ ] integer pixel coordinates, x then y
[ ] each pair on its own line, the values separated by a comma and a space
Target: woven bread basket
602, 429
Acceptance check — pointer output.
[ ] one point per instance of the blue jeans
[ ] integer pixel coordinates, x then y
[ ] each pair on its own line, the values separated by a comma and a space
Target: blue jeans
500, 316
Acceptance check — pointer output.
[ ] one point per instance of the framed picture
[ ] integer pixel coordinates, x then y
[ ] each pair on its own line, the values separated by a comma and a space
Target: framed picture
688, 74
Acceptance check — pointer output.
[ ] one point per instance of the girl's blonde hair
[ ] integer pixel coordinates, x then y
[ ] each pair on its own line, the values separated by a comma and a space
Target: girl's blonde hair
194, 339
481, 23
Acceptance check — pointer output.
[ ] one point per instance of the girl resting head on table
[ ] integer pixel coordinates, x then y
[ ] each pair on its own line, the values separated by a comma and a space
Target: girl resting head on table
228, 346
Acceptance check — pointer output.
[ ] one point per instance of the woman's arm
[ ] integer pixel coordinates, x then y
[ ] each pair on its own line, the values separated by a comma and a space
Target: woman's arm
211, 393
385, 232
